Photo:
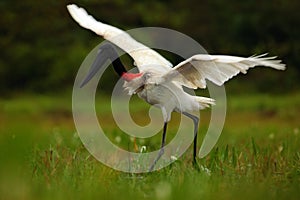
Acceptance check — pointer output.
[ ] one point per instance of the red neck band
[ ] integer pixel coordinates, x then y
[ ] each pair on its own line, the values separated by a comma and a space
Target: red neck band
130, 76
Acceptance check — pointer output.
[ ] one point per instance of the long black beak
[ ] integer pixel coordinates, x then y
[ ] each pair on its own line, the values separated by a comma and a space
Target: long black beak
105, 52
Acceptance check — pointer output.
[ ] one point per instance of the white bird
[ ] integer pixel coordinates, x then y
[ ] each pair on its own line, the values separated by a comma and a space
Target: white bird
158, 82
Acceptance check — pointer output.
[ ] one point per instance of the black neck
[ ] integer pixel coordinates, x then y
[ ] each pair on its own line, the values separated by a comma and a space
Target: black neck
119, 67
113, 55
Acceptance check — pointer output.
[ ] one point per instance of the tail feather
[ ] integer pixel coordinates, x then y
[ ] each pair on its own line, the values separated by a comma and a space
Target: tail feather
205, 102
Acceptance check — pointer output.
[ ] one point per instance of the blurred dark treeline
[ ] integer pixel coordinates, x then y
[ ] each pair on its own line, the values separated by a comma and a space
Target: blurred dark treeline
42, 47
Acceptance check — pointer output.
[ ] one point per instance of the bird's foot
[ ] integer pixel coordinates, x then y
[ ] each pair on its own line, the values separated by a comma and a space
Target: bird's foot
196, 165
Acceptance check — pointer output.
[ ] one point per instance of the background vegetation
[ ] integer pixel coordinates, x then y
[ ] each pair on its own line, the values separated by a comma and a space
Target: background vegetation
42, 47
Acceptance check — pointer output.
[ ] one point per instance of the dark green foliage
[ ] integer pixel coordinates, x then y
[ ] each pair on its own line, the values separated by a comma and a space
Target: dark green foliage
42, 47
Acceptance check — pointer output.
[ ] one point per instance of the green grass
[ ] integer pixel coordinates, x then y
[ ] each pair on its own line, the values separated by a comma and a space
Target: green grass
257, 156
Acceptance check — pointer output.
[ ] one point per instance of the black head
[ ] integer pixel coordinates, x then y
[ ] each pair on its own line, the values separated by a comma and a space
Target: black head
105, 52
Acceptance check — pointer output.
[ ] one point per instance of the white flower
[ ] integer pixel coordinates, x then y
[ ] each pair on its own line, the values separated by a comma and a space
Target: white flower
206, 170
143, 149
173, 158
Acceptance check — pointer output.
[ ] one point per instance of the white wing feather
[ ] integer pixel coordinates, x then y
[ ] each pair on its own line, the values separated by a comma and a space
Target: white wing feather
194, 71
142, 55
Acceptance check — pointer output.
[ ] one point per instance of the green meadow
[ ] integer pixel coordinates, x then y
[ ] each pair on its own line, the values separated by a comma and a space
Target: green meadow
41, 155
256, 157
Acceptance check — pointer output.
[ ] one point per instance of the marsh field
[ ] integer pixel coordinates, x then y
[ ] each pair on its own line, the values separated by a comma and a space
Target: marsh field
256, 157
41, 155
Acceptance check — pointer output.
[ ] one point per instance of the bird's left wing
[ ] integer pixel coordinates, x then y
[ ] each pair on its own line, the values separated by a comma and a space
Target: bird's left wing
143, 56
194, 71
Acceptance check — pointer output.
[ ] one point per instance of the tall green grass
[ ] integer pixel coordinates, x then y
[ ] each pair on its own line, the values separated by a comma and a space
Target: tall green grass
257, 156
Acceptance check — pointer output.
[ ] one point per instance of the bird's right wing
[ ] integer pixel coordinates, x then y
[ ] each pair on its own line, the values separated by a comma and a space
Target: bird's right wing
142, 55
194, 71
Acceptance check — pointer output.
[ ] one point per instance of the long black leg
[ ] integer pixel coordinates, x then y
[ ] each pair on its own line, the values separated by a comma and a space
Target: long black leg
162, 150
196, 123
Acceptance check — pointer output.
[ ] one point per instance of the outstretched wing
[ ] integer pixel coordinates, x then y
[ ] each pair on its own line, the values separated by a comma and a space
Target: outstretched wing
142, 55
194, 71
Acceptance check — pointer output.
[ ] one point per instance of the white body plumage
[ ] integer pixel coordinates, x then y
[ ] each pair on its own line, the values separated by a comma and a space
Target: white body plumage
160, 84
